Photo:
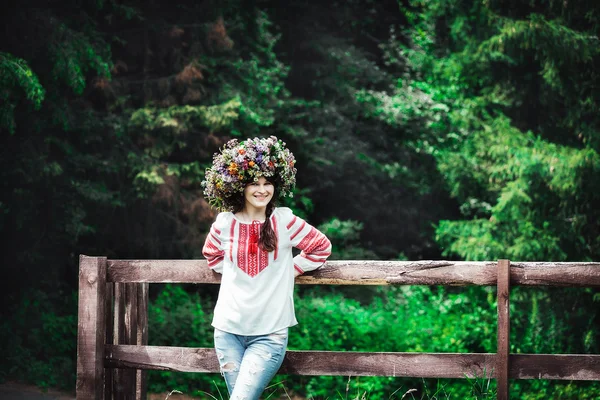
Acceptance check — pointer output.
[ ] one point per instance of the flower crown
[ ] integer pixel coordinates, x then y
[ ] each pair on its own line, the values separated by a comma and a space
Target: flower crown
238, 164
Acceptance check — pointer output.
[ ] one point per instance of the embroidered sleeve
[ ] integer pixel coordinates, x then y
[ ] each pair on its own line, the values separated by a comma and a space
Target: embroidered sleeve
213, 246
314, 245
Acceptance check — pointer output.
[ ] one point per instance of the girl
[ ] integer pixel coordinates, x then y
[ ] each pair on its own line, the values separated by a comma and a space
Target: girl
250, 243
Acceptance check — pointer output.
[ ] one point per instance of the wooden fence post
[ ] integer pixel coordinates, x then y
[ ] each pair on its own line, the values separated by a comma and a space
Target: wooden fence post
91, 328
503, 350
123, 379
110, 308
118, 333
142, 338
130, 327
130, 336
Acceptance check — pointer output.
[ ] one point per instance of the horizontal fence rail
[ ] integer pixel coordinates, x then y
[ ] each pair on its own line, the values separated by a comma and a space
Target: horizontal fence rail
113, 353
447, 273
353, 363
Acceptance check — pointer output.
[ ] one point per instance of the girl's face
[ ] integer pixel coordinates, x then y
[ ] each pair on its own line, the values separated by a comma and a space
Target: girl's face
258, 194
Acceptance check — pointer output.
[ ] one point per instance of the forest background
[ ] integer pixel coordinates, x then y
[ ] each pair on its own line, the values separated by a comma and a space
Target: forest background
457, 129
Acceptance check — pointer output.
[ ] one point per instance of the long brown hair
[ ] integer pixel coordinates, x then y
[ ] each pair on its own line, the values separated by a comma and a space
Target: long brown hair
267, 240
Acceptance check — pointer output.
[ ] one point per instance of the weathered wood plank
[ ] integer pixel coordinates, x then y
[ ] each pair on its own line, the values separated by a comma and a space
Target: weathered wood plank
108, 339
503, 336
579, 367
448, 365
142, 338
450, 273
91, 328
119, 337
426, 365
421, 365
566, 274
128, 388
161, 271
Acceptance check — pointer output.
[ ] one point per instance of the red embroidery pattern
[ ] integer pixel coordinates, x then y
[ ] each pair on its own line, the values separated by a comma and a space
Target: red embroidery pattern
212, 235
306, 242
292, 222
319, 246
212, 253
241, 250
274, 225
253, 242
231, 233
299, 230
251, 263
313, 259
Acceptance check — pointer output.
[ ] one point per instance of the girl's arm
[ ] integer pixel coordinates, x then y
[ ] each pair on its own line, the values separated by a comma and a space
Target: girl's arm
314, 245
213, 247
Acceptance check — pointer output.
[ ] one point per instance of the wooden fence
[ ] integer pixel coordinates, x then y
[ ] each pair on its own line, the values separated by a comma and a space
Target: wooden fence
112, 350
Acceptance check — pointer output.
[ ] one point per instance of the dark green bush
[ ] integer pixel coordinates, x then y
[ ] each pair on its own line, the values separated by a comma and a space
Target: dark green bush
402, 319
39, 337
39, 340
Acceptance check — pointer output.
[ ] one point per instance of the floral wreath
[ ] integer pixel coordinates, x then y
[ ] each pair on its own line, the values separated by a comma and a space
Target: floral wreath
238, 164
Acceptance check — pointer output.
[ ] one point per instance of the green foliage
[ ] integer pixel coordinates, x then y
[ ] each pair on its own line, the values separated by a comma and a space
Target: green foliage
533, 182
179, 318
255, 79
405, 319
17, 79
179, 120
345, 239
167, 129
40, 340
519, 190
555, 45
75, 53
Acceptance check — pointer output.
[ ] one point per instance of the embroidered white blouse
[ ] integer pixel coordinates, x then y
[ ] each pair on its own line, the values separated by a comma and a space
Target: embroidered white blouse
256, 293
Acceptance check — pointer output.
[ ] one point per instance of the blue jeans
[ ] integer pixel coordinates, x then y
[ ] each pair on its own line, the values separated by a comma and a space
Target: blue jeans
248, 363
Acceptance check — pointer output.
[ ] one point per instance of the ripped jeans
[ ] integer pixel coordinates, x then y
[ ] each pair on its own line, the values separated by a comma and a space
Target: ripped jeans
248, 363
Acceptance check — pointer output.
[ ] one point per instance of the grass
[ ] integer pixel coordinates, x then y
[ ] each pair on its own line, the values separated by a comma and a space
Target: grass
481, 389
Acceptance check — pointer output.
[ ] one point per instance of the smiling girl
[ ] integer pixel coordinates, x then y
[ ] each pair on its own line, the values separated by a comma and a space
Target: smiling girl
250, 244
